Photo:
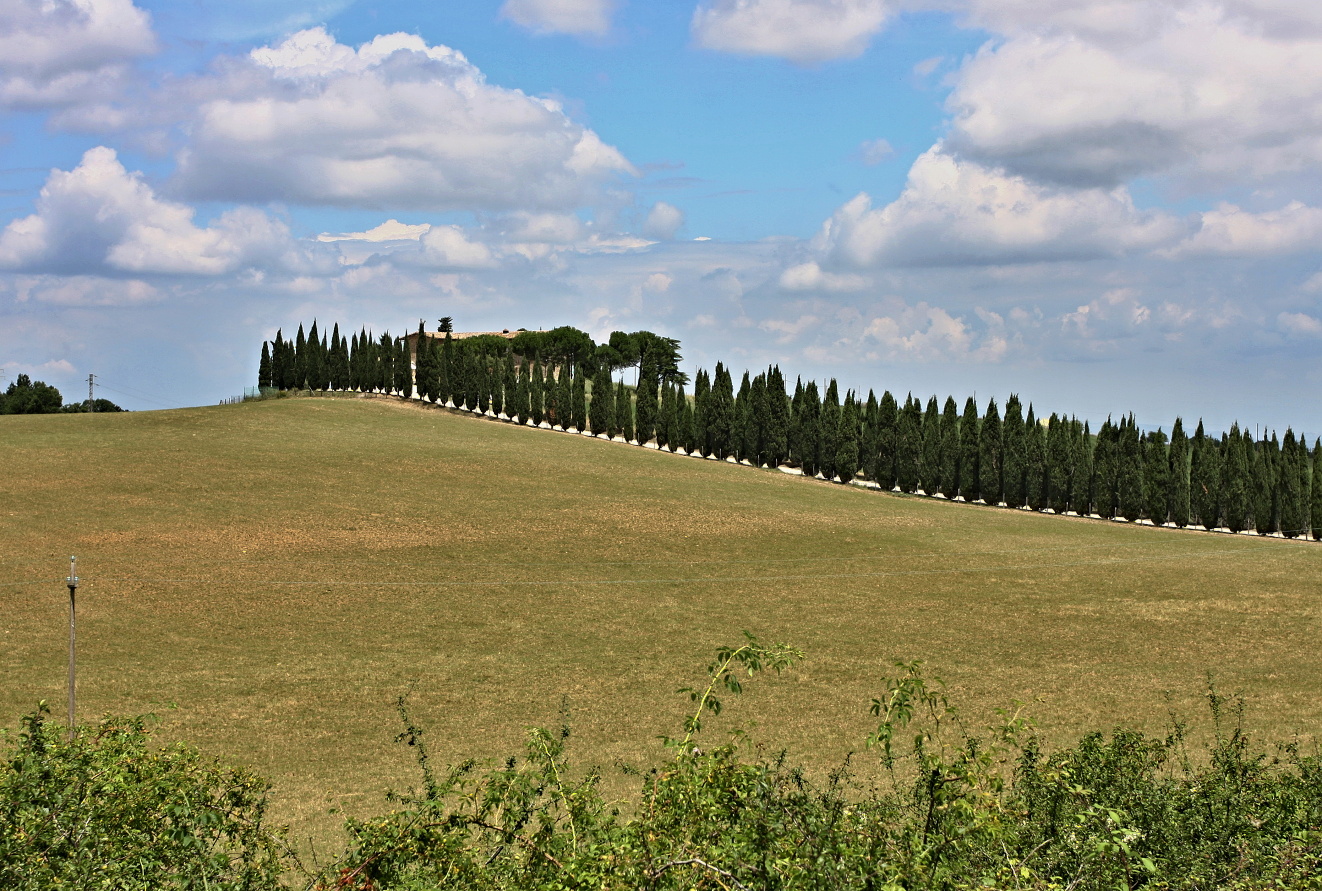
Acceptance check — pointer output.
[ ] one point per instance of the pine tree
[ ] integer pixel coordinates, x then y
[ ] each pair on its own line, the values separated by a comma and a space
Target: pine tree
1179, 475
1156, 477
1015, 463
909, 444
968, 451
828, 431
990, 454
264, 366
846, 455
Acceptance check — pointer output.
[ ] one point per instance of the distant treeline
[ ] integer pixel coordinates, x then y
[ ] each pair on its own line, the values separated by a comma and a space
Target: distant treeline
1015, 458
26, 397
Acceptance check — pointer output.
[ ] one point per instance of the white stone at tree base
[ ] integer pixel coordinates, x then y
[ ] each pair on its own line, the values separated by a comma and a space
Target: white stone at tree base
793, 471
650, 444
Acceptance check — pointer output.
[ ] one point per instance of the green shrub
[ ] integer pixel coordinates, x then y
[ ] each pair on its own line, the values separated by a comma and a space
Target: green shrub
107, 810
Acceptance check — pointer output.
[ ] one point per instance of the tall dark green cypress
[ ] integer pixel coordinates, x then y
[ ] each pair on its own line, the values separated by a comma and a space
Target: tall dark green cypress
1015, 463
1129, 470
264, 366
300, 359
523, 393
949, 448
990, 455
755, 429
672, 417
1084, 480
579, 400
828, 431
602, 413
909, 444
623, 412
1179, 475
929, 472
1059, 463
1156, 477
564, 395
720, 412
537, 394
809, 433
1204, 479
646, 410
701, 401
741, 419
778, 419
1263, 470
968, 451
688, 434
1235, 481
482, 373
1289, 487
846, 455
448, 373
1315, 485
1035, 462
509, 383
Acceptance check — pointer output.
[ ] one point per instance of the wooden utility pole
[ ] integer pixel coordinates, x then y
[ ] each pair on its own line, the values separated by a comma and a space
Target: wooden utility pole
72, 582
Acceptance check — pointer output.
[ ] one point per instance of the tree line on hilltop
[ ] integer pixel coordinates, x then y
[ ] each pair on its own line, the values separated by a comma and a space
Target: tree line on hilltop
1012, 457
28, 397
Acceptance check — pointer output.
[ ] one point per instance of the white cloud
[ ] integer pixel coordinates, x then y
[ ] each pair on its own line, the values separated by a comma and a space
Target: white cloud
1299, 324
958, 212
1230, 231
663, 221
99, 217
56, 52
874, 151
591, 17
390, 230
85, 290
394, 123
450, 247
803, 31
1117, 313
1094, 94
810, 277
929, 333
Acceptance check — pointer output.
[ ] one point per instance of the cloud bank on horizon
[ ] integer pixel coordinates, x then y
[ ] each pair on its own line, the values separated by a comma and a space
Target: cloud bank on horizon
1103, 207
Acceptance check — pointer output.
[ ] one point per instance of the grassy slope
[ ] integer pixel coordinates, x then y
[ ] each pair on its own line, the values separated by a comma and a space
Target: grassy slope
282, 570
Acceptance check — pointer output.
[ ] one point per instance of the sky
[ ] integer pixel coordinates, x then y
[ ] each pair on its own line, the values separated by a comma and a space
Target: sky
1103, 206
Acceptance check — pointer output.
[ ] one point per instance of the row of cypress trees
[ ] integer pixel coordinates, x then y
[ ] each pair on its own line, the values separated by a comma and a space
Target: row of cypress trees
1017, 458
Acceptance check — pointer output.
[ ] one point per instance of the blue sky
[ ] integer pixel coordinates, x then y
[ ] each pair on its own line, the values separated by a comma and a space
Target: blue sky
1101, 207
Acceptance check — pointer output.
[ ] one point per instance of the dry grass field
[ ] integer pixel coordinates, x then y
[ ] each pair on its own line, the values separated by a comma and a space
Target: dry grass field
268, 577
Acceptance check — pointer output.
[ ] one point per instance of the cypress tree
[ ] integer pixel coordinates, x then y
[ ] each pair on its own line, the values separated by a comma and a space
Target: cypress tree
646, 410
701, 401
1035, 462
775, 447
1315, 486
1263, 467
828, 431
1156, 477
1014, 468
482, 378
579, 399
312, 364
1059, 461
1204, 479
448, 373
908, 444
1081, 483
809, 432
929, 473
602, 413
968, 451
564, 395
300, 358
755, 429
846, 456
1234, 480
523, 393
1129, 470
687, 431
990, 454
536, 397
796, 423
674, 418
509, 382
950, 448
720, 412
623, 413
741, 420
264, 366
1289, 488
1179, 475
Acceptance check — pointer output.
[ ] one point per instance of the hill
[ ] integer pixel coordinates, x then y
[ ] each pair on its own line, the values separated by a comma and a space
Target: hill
282, 570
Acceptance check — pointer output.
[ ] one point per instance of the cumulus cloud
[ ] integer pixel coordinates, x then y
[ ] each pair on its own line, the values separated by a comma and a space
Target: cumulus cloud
929, 333
955, 212
100, 218
394, 123
1094, 94
803, 31
85, 290
584, 17
390, 230
1299, 324
873, 151
56, 52
1229, 231
450, 247
663, 221
811, 277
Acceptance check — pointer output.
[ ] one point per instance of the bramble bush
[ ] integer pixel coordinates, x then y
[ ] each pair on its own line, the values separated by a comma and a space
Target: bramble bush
927, 805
